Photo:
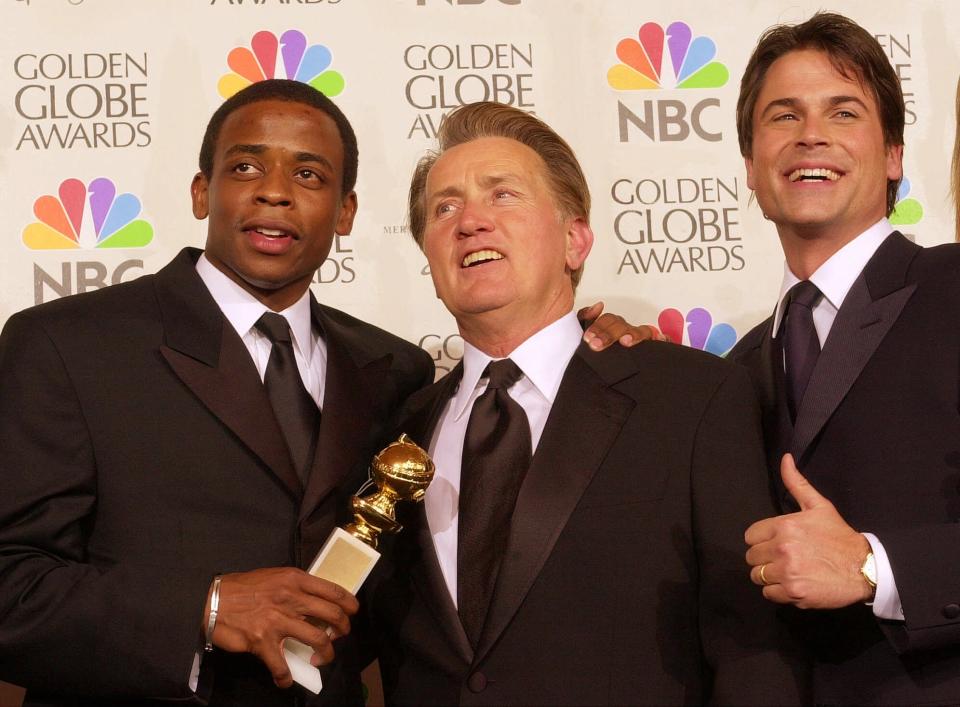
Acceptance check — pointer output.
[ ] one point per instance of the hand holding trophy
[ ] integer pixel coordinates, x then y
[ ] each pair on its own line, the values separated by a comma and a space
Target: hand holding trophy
401, 472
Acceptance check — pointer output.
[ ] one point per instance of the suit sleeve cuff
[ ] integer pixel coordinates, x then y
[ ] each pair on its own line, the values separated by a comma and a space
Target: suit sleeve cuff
886, 603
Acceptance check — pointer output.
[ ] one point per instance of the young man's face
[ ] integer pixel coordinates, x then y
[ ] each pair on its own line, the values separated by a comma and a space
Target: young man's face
819, 165
274, 198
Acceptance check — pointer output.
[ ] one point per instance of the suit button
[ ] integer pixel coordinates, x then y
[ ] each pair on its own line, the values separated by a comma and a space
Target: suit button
478, 681
951, 611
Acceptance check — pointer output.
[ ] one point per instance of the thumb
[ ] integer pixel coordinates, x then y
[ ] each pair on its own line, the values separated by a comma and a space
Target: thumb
588, 314
802, 490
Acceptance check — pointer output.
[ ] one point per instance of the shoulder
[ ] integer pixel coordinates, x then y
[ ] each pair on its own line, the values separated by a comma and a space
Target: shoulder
664, 369
367, 342
750, 341
941, 260
97, 310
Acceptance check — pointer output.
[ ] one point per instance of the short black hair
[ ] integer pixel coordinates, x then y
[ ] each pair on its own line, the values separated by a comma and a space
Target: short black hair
283, 90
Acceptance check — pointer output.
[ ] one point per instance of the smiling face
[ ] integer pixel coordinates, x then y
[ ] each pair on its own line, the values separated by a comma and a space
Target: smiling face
818, 162
500, 253
273, 198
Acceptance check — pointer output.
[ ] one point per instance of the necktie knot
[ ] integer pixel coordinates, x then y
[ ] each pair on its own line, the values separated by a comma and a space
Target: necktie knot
805, 293
502, 374
274, 326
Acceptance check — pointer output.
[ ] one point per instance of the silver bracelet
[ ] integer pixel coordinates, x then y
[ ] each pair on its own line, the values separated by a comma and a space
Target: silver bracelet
212, 618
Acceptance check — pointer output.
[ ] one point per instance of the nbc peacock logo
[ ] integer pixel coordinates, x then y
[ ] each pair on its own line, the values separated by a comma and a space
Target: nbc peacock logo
692, 62
287, 57
697, 330
907, 211
87, 216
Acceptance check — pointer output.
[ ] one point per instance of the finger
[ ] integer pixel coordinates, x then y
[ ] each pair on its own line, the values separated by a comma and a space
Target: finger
612, 328
273, 658
777, 594
329, 591
763, 574
758, 554
606, 330
760, 532
316, 637
643, 332
588, 314
320, 611
797, 485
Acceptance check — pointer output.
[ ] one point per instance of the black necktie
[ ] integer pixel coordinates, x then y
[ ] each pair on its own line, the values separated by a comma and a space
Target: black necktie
293, 407
496, 456
800, 342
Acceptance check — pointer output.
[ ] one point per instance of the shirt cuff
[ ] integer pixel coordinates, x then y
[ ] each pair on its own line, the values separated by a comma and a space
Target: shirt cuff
886, 603
195, 671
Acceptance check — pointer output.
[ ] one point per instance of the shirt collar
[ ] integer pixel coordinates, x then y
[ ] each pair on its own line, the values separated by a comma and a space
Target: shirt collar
243, 310
836, 276
543, 358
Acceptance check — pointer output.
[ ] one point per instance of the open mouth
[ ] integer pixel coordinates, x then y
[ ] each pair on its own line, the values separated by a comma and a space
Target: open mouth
817, 174
479, 257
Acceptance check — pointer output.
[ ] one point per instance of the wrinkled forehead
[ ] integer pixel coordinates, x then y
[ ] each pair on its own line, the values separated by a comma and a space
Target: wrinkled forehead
486, 161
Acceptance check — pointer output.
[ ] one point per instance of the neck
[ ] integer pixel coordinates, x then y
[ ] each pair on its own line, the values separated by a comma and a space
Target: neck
805, 250
498, 334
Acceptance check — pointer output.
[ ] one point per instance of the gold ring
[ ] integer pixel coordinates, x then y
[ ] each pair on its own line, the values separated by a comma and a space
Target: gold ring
763, 578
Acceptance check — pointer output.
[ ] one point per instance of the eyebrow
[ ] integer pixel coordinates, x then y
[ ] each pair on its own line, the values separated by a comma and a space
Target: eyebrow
791, 102
487, 181
258, 149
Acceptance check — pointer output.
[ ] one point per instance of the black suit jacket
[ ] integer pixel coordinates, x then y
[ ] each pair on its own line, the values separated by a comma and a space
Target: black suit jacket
624, 580
878, 433
140, 457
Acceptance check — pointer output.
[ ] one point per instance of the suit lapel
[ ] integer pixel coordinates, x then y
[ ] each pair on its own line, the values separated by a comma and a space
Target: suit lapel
351, 384
870, 309
419, 421
209, 357
349, 389
585, 419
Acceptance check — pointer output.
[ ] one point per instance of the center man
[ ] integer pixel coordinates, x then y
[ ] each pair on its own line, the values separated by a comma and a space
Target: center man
580, 543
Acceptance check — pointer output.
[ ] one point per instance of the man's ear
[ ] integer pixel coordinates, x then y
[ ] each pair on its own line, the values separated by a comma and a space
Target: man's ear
579, 242
198, 195
895, 162
748, 163
348, 210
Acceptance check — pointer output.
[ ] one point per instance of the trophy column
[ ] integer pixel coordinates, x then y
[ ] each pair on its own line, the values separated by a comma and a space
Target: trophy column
401, 472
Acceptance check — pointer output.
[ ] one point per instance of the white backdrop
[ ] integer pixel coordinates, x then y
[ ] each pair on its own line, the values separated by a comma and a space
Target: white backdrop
104, 104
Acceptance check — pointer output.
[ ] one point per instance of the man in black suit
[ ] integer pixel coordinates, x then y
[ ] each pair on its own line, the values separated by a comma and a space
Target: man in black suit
857, 372
578, 544
142, 455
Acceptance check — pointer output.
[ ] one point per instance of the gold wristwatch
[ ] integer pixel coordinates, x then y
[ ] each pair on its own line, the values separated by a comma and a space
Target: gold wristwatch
869, 572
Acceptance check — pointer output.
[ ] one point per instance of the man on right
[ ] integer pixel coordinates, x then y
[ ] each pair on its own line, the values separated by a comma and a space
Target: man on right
858, 372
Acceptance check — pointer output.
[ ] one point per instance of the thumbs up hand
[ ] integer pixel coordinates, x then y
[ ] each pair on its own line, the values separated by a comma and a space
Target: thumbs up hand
811, 558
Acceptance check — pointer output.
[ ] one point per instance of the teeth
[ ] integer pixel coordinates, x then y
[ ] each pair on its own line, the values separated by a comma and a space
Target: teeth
479, 256
271, 232
818, 173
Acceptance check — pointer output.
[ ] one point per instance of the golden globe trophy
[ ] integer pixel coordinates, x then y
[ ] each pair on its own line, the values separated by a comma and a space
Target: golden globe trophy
401, 472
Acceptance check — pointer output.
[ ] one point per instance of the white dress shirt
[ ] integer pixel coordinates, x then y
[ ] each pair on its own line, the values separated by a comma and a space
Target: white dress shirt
243, 310
543, 358
834, 279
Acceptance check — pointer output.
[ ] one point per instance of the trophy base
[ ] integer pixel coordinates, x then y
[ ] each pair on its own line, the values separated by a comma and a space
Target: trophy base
343, 560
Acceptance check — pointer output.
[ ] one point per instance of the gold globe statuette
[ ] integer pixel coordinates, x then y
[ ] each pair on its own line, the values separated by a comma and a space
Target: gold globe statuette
401, 472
